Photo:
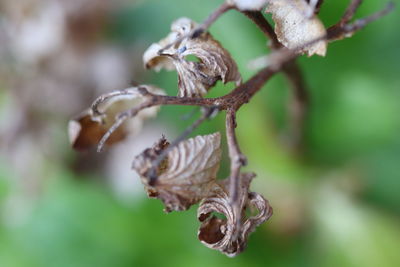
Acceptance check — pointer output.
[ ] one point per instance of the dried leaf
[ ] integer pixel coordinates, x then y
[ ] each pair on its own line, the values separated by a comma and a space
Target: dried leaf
250, 5
151, 58
188, 173
230, 235
195, 78
86, 130
295, 26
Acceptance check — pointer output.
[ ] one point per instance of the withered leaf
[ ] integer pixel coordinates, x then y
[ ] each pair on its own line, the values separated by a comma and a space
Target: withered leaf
230, 235
295, 27
244, 5
212, 62
188, 173
87, 129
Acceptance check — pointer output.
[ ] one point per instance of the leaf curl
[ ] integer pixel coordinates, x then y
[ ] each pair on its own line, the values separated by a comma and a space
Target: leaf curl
230, 235
187, 174
87, 129
195, 78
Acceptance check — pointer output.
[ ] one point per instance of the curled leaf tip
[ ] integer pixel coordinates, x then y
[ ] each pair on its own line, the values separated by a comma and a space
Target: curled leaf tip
195, 78
229, 235
88, 128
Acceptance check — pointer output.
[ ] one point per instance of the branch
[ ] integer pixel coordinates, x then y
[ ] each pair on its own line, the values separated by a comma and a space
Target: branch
243, 93
237, 159
292, 71
235, 99
236, 156
105, 97
350, 11
343, 29
261, 22
223, 8
299, 105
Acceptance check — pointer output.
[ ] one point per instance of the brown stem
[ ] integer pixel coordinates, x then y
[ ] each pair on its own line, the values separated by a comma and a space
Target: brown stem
343, 29
224, 7
104, 98
299, 104
258, 18
237, 158
243, 93
350, 11
235, 99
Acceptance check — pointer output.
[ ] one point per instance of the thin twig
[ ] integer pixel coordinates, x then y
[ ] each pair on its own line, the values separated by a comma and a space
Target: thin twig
262, 23
299, 105
237, 160
104, 98
224, 7
236, 156
119, 120
361, 23
350, 11
292, 71
342, 30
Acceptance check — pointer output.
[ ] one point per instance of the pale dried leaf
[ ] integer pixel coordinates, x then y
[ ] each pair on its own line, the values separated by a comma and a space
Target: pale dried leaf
195, 78
87, 129
230, 235
250, 5
295, 27
187, 175
152, 60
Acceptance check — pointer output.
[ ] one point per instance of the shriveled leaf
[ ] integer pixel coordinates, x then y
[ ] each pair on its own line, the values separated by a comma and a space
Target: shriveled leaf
212, 62
87, 129
296, 27
151, 58
230, 235
251, 5
188, 173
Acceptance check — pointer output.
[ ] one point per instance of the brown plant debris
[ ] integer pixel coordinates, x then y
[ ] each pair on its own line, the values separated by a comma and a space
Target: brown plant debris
209, 61
186, 175
296, 26
87, 129
229, 235
184, 172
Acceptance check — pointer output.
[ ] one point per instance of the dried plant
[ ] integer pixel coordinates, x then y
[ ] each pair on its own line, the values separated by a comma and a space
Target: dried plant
184, 172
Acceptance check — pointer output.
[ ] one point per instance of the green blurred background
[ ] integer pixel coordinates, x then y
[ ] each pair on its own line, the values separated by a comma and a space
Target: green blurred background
336, 204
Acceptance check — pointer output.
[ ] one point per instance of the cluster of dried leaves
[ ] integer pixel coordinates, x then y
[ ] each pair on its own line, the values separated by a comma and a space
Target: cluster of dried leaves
184, 172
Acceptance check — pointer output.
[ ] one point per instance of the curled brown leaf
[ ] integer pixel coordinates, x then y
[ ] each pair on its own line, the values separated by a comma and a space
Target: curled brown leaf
229, 235
87, 129
200, 62
186, 175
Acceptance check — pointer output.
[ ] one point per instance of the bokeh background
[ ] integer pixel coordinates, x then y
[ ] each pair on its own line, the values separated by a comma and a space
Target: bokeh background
336, 204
